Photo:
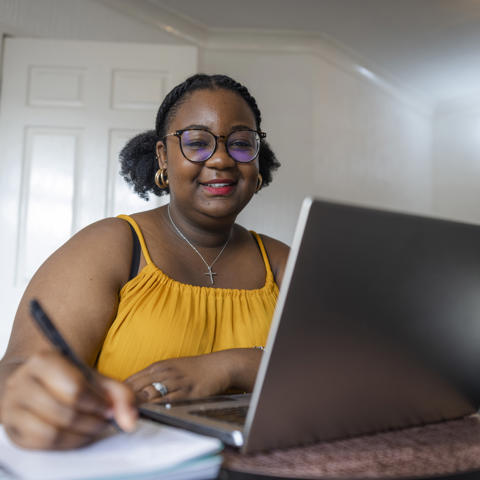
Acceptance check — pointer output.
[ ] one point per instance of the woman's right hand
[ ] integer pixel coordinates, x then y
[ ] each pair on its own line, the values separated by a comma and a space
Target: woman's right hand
48, 404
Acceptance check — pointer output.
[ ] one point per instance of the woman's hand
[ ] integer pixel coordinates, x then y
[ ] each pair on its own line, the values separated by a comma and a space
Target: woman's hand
199, 376
48, 404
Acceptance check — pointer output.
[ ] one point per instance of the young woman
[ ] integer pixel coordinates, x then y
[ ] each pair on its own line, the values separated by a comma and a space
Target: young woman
179, 316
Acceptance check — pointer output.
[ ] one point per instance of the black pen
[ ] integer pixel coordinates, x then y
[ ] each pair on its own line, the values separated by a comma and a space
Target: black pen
56, 339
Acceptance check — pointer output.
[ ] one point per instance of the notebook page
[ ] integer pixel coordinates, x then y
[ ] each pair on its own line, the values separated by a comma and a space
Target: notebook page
153, 447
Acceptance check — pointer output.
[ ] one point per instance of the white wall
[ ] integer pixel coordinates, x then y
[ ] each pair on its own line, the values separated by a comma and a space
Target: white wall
75, 20
1, 50
456, 154
370, 145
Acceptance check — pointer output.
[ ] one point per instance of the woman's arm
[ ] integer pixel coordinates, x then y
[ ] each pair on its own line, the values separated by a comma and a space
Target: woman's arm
198, 376
44, 402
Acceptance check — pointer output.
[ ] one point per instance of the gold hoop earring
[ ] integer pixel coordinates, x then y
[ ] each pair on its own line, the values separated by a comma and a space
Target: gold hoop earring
259, 183
160, 180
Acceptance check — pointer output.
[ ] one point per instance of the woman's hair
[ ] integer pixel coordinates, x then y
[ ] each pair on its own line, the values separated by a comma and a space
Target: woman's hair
138, 158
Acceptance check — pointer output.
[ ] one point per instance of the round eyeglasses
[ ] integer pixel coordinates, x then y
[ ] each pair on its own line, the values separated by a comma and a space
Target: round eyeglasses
198, 145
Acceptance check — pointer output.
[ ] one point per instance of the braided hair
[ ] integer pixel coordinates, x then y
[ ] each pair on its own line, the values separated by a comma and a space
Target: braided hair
138, 158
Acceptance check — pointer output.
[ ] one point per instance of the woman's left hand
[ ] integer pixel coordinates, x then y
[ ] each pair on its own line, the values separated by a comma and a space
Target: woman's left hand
198, 376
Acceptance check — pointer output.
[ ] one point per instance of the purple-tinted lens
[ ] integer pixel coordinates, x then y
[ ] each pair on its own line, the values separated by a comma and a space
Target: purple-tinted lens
243, 145
197, 145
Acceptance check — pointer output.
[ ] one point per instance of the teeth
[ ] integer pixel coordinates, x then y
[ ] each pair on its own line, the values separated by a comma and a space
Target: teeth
218, 185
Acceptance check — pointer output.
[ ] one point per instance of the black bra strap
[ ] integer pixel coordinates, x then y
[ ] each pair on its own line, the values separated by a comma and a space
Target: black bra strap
135, 254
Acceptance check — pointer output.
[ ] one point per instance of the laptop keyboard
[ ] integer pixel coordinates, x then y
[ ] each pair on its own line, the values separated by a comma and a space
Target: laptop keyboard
235, 415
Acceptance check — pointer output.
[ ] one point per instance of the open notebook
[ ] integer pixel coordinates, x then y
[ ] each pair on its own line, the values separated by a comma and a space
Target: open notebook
152, 451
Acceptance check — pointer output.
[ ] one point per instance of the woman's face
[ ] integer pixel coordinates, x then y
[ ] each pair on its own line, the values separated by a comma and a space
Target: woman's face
220, 187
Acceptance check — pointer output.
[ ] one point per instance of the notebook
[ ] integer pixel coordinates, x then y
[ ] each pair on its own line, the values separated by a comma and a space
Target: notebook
377, 326
151, 452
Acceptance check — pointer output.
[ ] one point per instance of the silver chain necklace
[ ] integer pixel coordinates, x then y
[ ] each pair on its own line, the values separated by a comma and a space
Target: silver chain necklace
210, 273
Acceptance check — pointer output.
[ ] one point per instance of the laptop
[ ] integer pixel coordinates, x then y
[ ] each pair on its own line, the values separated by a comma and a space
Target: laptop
377, 327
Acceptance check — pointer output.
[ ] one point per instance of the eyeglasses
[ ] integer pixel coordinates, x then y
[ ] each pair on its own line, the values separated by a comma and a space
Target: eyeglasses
198, 145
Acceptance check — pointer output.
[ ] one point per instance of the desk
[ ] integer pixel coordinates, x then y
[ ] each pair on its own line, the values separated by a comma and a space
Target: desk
228, 475
448, 450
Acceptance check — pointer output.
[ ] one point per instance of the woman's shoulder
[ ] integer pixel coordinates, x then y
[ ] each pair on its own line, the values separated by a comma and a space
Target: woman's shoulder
277, 253
117, 229
145, 220
112, 230
105, 245
275, 247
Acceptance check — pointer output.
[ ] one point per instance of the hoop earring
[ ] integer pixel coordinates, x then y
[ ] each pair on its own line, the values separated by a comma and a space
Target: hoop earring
160, 180
259, 183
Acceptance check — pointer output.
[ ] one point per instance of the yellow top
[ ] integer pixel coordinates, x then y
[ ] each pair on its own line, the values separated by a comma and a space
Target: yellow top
160, 318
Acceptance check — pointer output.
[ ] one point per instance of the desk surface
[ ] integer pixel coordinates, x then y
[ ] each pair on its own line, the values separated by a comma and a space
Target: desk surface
229, 475
447, 449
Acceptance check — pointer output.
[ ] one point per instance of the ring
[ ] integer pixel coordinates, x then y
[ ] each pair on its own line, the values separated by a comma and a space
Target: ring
160, 388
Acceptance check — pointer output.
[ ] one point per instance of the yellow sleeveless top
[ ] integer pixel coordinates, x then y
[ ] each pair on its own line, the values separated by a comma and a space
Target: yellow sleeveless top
160, 318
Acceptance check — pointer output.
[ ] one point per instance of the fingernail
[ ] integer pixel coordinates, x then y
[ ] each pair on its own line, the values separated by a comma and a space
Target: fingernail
128, 420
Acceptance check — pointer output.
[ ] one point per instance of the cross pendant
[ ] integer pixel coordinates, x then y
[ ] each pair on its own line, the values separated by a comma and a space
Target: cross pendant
210, 274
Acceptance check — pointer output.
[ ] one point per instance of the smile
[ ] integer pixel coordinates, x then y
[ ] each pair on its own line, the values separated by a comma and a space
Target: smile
219, 183
220, 187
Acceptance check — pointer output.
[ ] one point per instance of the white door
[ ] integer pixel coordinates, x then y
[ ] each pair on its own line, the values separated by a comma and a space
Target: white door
66, 109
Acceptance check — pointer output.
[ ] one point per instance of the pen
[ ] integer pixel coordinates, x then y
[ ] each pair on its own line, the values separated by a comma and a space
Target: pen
56, 339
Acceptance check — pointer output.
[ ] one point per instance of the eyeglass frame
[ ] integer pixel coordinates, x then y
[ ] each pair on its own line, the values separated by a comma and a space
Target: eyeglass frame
178, 134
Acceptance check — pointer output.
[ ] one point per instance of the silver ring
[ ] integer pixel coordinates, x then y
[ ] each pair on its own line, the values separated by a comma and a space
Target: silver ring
160, 388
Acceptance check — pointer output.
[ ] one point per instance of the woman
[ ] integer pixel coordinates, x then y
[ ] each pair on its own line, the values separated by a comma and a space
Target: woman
178, 317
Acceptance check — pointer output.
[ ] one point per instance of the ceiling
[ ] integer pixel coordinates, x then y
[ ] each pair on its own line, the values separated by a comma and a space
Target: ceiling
429, 46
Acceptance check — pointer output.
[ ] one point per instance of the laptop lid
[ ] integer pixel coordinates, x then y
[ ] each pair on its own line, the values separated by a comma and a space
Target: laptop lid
377, 326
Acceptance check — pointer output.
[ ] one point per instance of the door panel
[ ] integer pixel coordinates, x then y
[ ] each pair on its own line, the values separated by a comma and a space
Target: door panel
50, 158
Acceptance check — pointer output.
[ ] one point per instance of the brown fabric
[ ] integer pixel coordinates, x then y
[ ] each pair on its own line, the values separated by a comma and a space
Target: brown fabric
438, 449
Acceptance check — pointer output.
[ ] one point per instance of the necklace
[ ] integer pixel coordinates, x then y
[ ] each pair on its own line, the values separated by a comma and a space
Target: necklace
209, 273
